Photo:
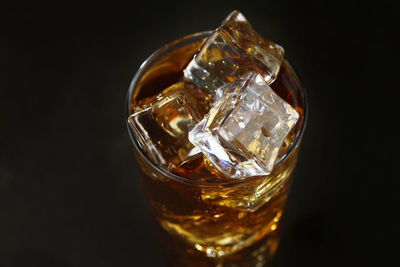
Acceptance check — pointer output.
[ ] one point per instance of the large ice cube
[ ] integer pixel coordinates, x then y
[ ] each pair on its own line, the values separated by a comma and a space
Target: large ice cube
162, 123
244, 130
231, 51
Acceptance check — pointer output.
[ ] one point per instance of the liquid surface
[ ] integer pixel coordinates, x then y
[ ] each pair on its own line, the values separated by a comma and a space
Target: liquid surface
168, 70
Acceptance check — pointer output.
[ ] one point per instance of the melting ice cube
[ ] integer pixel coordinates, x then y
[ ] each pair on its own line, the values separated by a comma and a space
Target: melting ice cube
231, 51
162, 124
244, 130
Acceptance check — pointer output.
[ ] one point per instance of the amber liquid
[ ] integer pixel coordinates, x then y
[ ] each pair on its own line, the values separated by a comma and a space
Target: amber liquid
207, 219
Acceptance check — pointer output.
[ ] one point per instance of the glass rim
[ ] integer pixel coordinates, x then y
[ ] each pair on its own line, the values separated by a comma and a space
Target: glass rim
157, 55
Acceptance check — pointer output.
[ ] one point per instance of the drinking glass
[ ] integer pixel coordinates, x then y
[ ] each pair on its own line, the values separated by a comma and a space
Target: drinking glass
223, 223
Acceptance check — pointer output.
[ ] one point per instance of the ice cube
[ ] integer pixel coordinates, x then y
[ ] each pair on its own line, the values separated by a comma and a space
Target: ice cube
244, 130
161, 124
231, 51
242, 34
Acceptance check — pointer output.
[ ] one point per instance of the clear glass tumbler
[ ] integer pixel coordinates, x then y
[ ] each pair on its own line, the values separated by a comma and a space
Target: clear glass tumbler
223, 223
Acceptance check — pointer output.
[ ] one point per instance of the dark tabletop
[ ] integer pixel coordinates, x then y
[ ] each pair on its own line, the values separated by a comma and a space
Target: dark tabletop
69, 188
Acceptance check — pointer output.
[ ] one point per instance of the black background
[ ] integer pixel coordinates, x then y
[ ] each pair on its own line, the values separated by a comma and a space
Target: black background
69, 188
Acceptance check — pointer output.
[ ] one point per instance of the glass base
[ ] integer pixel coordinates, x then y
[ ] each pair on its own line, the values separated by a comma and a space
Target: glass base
180, 254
